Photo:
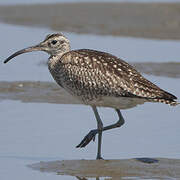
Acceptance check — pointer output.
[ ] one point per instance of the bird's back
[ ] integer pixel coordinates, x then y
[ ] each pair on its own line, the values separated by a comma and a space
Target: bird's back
91, 75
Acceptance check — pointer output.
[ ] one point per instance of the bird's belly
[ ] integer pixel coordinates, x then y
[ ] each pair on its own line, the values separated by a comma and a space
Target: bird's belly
117, 102
94, 99
91, 96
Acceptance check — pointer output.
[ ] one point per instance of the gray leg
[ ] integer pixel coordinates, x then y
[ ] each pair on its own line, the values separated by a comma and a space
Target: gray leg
100, 129
91, 135
119, 123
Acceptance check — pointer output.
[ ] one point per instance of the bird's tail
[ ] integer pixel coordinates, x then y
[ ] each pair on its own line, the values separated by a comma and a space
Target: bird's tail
166, 101
166, 98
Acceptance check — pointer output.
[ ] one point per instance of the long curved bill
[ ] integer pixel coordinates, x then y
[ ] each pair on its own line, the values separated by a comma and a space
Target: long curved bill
29, 49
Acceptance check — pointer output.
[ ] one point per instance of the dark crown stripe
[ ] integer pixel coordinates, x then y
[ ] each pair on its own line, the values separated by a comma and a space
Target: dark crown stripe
52, 36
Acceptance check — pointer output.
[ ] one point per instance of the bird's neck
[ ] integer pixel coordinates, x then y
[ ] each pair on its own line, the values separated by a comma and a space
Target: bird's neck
56, 55
59, 52
55, 58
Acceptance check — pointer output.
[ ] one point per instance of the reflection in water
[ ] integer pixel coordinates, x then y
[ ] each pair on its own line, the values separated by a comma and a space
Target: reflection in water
97, 178
83, 178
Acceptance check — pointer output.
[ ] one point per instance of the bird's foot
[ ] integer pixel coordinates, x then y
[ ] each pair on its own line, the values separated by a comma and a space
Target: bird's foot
88, 138
99, 158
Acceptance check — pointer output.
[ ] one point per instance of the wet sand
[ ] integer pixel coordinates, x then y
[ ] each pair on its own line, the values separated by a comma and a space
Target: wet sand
148, 20
114, 169
39, 92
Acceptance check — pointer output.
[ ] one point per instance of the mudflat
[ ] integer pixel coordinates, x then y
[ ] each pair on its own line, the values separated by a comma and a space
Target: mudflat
148, 20
114, 169
144, 20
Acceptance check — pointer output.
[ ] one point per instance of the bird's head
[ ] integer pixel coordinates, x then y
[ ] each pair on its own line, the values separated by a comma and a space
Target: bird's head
54, 44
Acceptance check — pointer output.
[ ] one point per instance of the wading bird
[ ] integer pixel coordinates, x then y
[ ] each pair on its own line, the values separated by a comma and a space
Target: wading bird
97, 79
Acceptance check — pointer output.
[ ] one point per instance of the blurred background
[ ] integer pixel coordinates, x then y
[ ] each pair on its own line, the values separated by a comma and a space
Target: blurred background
40, 122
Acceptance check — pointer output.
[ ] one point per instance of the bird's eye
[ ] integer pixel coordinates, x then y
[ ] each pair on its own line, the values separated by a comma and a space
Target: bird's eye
53, 42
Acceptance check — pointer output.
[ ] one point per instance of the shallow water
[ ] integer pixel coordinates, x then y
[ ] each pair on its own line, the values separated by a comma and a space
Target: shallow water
31, 132
133, 50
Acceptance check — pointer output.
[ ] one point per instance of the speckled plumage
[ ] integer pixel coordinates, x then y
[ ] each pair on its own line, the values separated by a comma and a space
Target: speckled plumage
92, 76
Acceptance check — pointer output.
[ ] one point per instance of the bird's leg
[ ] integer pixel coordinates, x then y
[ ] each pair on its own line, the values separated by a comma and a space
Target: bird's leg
91, 135
100, 129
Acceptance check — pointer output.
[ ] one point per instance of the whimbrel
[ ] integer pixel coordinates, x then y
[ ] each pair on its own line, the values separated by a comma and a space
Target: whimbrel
97, 79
